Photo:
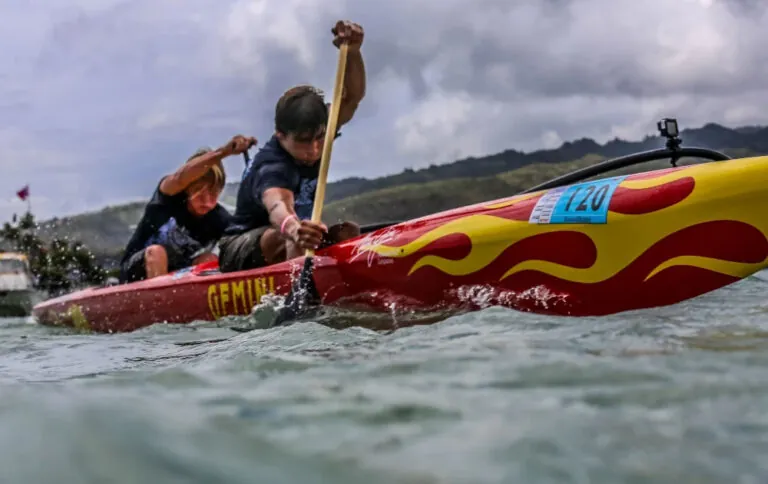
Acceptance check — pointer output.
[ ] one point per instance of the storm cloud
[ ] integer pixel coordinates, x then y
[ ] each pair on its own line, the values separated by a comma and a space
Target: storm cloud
100, 98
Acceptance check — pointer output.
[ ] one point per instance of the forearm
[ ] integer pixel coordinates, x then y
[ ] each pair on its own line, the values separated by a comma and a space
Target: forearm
197, 167
354, 85
279, 205
191, 171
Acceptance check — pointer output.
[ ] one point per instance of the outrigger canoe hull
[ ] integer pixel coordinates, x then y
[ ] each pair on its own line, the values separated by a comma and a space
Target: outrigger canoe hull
594, 248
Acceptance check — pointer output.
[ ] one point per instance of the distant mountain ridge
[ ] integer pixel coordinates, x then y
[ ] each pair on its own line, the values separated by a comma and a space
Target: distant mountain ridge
711, 135
106, 231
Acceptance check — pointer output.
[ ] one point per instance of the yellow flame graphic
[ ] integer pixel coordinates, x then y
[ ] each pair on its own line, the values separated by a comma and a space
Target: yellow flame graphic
731, 190
735, 269
511, 201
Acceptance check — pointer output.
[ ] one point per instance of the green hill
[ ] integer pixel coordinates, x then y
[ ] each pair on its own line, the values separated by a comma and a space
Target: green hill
414, 193
104, 232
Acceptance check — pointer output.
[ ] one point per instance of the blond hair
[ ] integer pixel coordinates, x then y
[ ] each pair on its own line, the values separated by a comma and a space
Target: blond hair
214, 177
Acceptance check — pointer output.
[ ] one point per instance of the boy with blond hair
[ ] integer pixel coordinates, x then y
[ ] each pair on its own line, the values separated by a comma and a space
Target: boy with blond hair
183, 220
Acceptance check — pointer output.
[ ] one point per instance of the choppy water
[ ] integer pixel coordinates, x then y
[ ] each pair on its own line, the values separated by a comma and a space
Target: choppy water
677, 394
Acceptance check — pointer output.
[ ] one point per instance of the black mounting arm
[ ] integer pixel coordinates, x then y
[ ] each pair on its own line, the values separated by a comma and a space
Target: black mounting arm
668, 129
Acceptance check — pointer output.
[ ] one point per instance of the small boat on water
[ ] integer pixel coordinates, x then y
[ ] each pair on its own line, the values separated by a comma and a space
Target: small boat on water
18, 294
573, 246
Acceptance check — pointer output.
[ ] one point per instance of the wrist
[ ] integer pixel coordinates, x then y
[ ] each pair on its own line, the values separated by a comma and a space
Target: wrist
288, 225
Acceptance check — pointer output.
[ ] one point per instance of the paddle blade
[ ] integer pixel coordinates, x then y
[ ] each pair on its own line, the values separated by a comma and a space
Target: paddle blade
303, 295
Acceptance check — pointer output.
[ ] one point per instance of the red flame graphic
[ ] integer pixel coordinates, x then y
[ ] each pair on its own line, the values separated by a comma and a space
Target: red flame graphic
636, 201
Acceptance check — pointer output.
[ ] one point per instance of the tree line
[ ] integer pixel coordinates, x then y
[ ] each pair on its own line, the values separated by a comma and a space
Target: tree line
58, 265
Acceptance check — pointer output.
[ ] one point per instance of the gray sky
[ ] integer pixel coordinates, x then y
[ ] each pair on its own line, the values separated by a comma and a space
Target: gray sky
99, 98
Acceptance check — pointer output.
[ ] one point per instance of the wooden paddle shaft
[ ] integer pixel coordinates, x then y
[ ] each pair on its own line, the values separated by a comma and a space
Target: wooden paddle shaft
330, 134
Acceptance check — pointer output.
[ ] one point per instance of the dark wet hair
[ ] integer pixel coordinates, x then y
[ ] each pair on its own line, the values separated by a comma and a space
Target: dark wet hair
301, 111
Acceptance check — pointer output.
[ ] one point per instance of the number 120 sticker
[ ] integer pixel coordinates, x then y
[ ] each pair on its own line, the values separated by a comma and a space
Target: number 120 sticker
585, 203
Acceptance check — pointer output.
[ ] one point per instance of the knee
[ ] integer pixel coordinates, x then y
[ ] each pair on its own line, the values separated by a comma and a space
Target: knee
155, 254
343, 231
350, 230
272, 246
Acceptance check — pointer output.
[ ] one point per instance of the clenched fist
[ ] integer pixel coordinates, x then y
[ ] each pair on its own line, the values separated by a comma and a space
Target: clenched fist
349, 32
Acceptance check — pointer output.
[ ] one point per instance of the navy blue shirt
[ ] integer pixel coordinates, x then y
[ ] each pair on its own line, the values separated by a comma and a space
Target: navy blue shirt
273, 167
165, 215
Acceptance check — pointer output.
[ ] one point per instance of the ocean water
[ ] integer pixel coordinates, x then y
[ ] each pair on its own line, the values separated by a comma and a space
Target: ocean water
675, 394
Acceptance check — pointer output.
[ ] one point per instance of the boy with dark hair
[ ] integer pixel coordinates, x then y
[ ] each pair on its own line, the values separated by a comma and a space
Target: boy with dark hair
183, 220
272, 220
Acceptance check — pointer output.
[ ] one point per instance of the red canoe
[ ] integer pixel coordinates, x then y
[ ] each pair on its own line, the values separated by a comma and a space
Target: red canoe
591, 248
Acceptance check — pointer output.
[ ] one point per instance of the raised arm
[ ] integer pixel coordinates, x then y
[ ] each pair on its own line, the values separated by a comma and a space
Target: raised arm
193, 169
354, 74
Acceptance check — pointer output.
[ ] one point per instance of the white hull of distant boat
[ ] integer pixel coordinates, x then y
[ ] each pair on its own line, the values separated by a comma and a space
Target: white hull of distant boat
18, 294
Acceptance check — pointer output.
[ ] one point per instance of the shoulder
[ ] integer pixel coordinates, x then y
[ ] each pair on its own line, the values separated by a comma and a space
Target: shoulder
272, 151
275, 175
271, 157
160, 198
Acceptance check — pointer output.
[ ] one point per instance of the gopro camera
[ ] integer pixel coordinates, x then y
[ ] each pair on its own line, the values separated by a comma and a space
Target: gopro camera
668, 127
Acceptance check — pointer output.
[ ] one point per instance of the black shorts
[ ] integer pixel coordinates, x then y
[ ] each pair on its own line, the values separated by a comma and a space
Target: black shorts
242, 251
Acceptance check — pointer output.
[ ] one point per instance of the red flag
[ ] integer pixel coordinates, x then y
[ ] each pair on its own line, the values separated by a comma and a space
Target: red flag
23, 193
